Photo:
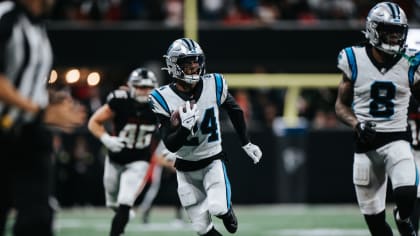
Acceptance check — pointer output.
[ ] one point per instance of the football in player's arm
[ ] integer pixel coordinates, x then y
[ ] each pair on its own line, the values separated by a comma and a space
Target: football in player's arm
373, 98
195, 135
129, 145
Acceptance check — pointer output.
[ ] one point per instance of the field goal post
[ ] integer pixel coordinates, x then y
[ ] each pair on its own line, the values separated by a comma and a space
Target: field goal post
294, 83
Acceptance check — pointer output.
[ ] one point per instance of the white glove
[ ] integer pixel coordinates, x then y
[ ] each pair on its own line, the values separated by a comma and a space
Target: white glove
188, 117
253, 151
113, 143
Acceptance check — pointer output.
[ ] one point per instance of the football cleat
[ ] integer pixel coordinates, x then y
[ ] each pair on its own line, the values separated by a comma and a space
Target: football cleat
404, 227
230, 221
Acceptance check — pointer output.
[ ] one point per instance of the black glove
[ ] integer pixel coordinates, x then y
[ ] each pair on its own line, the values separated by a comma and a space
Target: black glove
366, 131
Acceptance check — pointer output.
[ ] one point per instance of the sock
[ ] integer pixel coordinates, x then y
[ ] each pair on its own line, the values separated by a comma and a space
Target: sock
377, 225
120, 220
415, 215
405, 198
213, 232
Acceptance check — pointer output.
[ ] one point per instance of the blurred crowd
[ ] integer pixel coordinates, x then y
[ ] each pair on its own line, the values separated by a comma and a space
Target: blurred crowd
229, 12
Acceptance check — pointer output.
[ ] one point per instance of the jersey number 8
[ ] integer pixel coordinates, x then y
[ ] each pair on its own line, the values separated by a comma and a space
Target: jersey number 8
382, 94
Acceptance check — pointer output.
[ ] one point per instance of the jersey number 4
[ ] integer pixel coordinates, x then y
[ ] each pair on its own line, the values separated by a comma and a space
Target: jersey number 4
207, 126
382, 94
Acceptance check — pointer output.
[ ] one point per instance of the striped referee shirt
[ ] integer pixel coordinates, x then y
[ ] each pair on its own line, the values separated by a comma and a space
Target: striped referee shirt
25, 59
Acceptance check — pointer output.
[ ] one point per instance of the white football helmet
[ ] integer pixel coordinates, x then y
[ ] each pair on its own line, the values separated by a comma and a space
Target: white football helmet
180, 53
386, 27
141, 77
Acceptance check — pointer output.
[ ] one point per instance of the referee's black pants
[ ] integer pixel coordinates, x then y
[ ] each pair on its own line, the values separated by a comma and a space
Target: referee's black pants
29, 157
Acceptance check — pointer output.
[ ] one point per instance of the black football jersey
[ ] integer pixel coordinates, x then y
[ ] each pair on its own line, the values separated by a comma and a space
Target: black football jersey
414, 122
136, 123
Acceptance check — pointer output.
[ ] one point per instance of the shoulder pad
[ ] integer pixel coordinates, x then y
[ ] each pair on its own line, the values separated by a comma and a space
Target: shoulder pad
164, 87
347, 62
6, 7
208, 76
118, 94
158, 103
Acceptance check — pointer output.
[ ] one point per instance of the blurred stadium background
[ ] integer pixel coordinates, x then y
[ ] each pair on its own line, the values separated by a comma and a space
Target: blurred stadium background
279, 57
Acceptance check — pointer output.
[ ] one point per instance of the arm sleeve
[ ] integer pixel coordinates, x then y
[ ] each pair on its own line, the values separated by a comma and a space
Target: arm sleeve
236, 116
173, 139
346, 62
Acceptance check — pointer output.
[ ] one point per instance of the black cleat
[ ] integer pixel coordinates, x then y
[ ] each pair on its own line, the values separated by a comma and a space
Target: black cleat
404, 227
230, 221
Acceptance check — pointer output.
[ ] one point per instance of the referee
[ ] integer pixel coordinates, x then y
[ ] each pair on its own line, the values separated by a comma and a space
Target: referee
27, 115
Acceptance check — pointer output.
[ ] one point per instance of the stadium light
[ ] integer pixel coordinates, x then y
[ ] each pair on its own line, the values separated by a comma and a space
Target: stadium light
53, 77
93, 78
72, 76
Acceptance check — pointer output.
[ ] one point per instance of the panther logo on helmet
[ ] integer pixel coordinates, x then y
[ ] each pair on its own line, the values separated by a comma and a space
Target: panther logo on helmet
141, 78
180, 55
386, 28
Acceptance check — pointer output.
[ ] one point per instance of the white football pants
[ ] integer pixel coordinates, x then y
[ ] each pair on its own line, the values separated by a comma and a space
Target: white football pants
123, 183
371, 171
203, 193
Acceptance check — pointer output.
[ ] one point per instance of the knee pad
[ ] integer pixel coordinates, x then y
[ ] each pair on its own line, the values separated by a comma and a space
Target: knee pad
371, 206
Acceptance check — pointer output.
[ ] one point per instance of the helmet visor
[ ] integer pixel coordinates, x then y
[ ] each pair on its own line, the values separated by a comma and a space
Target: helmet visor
392, 34
190, 63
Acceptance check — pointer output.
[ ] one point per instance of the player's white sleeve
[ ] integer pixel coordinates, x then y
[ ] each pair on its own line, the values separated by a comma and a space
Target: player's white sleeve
343, 62
159, 104
221, 88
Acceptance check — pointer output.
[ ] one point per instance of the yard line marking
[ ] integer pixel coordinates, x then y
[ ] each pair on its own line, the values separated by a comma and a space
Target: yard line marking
319, 232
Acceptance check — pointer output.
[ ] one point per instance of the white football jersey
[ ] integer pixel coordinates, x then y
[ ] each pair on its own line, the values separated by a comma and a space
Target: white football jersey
380, 96
206, 141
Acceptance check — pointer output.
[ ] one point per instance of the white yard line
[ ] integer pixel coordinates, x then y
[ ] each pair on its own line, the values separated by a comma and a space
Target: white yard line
319, 232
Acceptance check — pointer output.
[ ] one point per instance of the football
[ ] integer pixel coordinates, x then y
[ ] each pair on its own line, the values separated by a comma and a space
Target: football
175, 118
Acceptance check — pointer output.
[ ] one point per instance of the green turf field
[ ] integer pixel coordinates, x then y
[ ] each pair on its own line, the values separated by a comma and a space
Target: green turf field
266, 220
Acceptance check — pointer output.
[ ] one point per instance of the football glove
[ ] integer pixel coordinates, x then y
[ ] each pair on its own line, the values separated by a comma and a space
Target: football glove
113, 143
189, 116
253, 151
366, 131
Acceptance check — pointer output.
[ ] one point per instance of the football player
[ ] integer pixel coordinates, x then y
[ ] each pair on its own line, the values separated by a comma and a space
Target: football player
129, 146
193, 101
373, 98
